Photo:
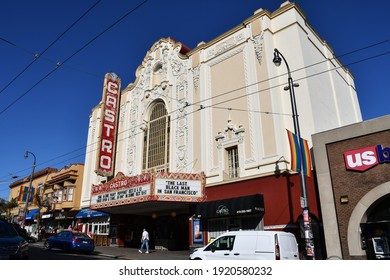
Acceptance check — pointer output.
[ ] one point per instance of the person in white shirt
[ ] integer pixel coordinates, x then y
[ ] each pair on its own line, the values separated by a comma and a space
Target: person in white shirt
144, 241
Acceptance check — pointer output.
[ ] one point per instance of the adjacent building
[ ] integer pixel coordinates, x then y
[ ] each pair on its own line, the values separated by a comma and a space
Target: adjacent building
28, 216
63, 190
54, 199
197, 144
353, 173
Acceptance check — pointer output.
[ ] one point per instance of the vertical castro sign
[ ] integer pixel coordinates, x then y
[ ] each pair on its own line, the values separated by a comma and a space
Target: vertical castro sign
110, 100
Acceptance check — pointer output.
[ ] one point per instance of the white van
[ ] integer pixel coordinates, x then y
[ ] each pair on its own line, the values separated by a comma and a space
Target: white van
250, 245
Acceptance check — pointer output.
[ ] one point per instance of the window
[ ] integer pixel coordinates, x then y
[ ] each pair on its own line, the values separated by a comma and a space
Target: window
232, 161
223, 243
40, 188
102, 228
156, 139
229, 142
61, 234
70, 194
59, 196
67, 194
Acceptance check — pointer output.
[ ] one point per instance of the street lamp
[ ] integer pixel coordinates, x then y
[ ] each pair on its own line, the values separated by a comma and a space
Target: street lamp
278, 57
30, 185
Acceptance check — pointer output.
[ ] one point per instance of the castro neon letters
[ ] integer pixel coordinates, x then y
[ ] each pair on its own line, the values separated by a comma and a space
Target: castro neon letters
111, 95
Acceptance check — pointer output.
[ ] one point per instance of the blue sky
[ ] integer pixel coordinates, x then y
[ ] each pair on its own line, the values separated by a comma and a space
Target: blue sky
45, 108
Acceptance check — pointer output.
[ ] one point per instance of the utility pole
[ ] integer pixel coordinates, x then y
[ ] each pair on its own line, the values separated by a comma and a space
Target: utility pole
30, 185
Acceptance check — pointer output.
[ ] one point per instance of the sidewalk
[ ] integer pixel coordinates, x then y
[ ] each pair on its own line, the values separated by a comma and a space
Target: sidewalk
123, 253
133, 254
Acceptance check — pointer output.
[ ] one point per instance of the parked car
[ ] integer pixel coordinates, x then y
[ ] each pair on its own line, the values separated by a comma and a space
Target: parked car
12, 245
23, 233
68, 240
250, 245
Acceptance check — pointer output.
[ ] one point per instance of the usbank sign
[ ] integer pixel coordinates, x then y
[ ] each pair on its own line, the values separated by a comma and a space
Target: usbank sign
365, 158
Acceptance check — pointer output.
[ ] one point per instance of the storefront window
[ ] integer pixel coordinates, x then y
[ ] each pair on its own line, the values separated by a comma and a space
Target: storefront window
99, 228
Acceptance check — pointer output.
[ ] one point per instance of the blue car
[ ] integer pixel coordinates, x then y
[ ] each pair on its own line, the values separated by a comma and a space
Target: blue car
12, 245
68, 240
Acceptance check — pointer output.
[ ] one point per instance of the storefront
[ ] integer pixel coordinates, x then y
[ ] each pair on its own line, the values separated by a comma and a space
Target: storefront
160, 202
64, 219
94, 223
352, 165
212, 218
31, 222
48, 223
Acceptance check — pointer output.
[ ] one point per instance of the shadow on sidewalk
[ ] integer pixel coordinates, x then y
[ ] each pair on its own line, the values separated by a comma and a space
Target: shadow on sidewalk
132, 253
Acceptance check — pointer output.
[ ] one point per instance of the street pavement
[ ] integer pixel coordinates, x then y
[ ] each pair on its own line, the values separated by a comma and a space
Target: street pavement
124, 253
133, 254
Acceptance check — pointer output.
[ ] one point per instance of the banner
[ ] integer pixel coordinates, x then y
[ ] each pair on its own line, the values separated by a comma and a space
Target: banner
23, 194
296, 158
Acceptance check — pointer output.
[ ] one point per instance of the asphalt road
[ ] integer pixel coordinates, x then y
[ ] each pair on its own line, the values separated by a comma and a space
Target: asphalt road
38, 252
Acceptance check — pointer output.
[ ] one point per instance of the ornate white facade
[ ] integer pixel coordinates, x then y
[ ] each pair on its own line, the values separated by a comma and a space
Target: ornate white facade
228, 93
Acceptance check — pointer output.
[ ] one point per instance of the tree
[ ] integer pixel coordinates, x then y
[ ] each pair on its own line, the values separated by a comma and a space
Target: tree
3, 207
40, 203
7, 206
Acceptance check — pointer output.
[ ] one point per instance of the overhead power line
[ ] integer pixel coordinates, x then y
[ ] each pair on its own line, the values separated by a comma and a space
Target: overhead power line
67, 59
52, 61
215, 106
37, 56
16, 46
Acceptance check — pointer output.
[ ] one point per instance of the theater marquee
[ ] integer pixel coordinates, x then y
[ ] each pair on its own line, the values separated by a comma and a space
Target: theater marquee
179, 186
159, 186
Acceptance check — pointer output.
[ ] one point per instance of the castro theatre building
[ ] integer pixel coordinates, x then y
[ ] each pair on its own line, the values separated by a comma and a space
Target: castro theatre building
196, 145
353, 170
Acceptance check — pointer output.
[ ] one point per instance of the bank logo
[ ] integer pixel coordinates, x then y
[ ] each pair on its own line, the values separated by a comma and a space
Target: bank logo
366, 158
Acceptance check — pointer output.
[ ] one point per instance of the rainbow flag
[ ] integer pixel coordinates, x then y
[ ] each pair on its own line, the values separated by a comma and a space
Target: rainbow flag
23, 194
34, 191
296, 157
306, 158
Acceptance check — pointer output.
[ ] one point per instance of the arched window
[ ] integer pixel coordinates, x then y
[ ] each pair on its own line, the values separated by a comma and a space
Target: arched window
156, 139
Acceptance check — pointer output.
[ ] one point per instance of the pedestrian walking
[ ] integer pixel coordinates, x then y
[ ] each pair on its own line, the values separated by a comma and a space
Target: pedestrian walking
42, 233
144, 241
